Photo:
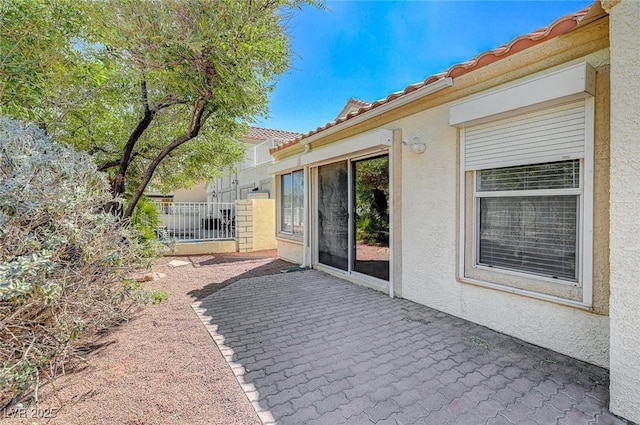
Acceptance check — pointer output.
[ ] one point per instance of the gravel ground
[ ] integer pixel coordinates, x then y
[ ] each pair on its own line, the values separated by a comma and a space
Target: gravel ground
162, 367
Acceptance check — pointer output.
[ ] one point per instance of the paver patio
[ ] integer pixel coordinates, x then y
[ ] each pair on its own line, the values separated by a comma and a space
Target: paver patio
309, 348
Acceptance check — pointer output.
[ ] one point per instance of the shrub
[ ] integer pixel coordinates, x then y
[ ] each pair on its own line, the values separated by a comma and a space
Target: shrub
145, 219
64, 261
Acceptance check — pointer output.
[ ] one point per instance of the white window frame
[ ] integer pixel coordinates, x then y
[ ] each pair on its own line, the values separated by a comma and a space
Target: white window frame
281, 231
585, 234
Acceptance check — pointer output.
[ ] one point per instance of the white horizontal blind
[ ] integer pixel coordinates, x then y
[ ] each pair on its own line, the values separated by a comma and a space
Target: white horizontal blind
534, 234
554, 175
551, 134
292, 205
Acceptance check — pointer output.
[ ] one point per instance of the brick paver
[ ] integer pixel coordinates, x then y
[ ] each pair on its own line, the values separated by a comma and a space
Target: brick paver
311, 348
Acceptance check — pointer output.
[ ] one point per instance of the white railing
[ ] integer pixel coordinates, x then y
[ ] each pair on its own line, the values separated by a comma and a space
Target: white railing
249, 159
259, 154
196, 221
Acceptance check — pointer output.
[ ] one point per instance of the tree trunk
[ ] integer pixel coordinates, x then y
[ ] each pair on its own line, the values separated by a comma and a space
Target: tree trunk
119, 184
148, 175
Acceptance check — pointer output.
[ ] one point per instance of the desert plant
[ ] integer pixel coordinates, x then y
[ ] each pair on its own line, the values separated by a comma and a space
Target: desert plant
65, 261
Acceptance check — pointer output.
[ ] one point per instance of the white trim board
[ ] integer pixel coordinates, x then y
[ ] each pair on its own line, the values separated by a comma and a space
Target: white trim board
571, 82
286, 164
379, 138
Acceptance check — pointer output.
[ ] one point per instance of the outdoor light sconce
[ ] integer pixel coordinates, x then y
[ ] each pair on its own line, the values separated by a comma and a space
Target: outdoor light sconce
416, 145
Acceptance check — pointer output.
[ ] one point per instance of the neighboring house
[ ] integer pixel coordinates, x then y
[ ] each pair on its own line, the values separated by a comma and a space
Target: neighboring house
252, 175
503, 191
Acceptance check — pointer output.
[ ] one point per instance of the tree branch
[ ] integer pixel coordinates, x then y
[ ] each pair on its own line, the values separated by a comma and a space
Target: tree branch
198, 118
145, 93
167, 103
125, 159
107, 165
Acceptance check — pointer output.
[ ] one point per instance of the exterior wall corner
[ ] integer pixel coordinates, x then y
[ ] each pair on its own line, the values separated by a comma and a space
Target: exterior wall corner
624, 206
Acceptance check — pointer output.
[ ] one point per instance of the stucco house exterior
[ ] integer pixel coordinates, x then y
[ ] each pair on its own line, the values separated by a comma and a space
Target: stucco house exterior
504, 190
252, 175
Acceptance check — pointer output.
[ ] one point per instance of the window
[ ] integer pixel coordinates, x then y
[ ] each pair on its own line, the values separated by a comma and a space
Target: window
527, 202
528, 219
292, 203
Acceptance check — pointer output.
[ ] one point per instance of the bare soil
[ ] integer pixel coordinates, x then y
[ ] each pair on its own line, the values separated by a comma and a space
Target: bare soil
162, 367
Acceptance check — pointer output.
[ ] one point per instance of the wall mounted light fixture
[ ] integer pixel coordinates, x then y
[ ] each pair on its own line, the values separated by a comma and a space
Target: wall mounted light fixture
416, 145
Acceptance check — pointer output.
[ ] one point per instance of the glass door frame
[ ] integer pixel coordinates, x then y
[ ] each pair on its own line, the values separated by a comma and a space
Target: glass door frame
350, 272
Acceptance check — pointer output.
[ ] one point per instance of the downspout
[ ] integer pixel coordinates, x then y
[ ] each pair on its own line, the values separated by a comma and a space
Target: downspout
392, 235
307, 214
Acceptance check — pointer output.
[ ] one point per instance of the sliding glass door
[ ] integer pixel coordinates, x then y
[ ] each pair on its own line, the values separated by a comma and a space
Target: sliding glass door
353, 216
333, 215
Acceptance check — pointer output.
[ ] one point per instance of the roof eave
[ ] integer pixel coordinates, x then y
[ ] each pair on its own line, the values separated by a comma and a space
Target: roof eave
436, 86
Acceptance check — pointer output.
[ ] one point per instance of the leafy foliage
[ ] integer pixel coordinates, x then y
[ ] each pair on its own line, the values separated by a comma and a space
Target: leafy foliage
131, 82
372, 203
64, 261
145, 219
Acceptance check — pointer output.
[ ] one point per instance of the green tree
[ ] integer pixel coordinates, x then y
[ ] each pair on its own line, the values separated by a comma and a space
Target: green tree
132, 82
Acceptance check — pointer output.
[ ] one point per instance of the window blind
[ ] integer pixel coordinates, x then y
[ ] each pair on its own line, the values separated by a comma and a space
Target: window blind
535, 234
556, 175
551, 134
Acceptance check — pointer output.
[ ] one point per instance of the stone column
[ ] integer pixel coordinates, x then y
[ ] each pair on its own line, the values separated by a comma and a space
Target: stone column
244, 225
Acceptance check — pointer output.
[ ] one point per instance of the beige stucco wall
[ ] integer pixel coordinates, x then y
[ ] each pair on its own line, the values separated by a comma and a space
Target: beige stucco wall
625, 208
264, 224
197, 193
290, 250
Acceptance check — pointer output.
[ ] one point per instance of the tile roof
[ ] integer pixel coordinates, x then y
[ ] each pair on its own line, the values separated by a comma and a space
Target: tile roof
560, 26
352, 104
259, 133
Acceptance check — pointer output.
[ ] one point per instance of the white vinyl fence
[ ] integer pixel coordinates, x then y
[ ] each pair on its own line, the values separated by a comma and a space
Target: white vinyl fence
196, 221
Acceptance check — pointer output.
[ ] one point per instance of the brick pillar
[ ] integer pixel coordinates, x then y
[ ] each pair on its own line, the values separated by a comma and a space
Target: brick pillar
244, 225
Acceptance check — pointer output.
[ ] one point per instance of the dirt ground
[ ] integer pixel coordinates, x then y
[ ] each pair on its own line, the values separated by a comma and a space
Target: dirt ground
162, 367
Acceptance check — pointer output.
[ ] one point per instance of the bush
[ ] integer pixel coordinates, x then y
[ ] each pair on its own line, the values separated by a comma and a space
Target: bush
145, 219
64, 261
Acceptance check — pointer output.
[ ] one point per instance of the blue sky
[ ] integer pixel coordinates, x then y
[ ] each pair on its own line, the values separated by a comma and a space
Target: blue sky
369, 49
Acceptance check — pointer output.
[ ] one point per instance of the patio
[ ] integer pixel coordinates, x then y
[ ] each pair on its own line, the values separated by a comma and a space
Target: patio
308, 348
